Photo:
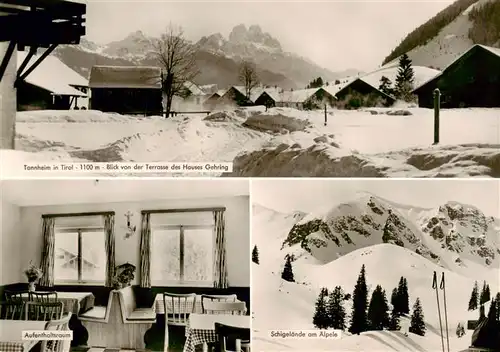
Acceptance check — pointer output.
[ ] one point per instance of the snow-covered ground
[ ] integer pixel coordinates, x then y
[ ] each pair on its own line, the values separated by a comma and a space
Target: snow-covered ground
279, 142
280, 305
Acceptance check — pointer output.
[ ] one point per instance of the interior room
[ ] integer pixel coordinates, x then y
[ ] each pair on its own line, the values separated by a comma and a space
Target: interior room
158, 265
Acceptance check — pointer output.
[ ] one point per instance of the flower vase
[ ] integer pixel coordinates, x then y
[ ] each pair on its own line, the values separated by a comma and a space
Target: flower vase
31, 287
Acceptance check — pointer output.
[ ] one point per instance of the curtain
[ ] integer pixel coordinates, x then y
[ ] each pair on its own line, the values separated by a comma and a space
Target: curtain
145, 251
47, 264
109, 229
220, 265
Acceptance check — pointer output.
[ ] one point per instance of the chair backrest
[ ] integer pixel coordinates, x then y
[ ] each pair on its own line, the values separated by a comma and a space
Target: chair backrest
13, 310
57, 345
229, 337
48, 296
217, 298
16, 295
127, 301
233, 308
178, 307
44, 311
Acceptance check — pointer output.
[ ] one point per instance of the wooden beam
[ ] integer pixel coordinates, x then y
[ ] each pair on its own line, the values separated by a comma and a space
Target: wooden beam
192, 210
68, 215
25, 62
37, 62
6, 58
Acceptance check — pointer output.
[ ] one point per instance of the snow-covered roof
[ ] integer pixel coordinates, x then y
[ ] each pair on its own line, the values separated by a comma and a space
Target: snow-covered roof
53, 75
209, 88
298, 96
333, 89
273, 92
495, 51
193, 88
125, 77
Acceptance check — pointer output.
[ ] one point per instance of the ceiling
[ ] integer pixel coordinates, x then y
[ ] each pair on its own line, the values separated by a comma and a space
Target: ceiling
56, 192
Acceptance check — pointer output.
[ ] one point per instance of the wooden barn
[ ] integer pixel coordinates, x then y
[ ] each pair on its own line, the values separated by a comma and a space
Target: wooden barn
63, 23
211, 102
359, 93
51, 85
472, 80
267, 97
234, 97
134, 90
307, 99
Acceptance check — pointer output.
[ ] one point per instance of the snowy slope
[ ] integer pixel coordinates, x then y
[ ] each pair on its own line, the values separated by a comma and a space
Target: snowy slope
451, 42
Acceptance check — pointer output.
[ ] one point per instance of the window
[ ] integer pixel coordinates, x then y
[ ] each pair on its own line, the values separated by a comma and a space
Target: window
80, 256
182, 254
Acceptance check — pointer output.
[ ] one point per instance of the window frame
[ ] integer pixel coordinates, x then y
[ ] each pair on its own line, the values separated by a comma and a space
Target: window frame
181, 282
80, 231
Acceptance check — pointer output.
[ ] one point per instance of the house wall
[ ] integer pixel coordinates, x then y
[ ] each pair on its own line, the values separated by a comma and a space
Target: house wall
30, 97
127, 101
473, 81
265, 100
127, 250
8, 100
10, 244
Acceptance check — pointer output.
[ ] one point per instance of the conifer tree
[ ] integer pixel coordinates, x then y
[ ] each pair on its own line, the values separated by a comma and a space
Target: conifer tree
359, 320
378, 317
481, 312
460, 330
405, 78
287, 273
320, 318
255, 255
386, 86
493, 311
474, 297
394, 300
417, 323
485, 294
497, 300
405, 298
336, 310
394, 321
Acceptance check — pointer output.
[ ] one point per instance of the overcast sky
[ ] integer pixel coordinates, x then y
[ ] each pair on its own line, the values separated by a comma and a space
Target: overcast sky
311, 195
335, 34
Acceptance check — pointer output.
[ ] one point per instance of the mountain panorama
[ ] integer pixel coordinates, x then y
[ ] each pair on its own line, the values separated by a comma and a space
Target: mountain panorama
453, 235
218, 58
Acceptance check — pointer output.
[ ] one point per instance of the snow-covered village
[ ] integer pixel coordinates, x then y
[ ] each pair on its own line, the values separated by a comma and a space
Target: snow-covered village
421, 99
398, 265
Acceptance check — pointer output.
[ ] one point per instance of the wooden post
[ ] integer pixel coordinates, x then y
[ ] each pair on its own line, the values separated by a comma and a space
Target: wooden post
437, 107
326, 116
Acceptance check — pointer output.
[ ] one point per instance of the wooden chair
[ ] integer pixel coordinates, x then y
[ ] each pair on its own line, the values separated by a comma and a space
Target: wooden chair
231, 308
231, 338
44, 311
45, 297
217, 298
16, 296
57, 345
181, 305
13, 310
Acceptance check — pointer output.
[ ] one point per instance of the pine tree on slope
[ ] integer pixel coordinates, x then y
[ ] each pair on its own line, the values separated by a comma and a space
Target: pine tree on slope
386, 86
474, 297
378, 317
405, 78
394, 301
320, 318
255, 255
336, 310
287, 273
417, 323
493, 312
485, 293
405, 298
359, 320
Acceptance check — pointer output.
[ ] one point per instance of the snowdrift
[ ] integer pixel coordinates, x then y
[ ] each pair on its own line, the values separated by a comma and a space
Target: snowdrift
479, 160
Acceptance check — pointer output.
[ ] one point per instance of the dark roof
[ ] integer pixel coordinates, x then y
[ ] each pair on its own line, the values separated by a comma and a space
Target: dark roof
491, 50
363, 82
140, 77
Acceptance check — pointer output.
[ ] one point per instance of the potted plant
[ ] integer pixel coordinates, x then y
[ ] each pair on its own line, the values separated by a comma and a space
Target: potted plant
33, 274
124, 274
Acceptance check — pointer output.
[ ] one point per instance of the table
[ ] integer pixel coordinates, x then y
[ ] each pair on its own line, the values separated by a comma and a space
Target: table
74, 302
201, 328
11, 334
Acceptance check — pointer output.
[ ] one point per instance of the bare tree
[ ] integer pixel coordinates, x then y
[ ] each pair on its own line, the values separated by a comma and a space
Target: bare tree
177, 58
248, 76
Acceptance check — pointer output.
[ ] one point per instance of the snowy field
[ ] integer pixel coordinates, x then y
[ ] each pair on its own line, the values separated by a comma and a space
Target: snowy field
279, 142
280, 305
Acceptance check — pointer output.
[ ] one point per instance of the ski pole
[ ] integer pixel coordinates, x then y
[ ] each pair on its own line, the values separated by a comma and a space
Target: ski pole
443, 287
435, 286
